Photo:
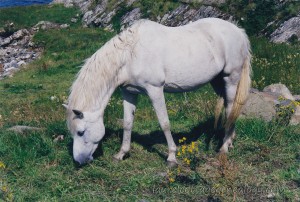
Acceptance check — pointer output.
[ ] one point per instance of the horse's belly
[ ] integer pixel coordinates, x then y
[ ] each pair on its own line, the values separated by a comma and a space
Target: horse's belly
176, 88
190, 77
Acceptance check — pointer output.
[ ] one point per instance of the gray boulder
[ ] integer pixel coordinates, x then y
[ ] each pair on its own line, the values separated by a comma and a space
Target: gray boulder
295, 119
287, 30
260, 105
279, 90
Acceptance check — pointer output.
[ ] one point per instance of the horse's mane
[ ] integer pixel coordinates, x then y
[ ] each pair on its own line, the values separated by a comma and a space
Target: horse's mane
99, 73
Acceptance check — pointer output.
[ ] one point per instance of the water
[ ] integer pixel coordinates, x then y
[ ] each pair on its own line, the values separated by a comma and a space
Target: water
11, 3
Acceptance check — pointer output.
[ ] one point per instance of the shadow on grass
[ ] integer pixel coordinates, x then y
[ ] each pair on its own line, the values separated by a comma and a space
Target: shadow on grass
204, 130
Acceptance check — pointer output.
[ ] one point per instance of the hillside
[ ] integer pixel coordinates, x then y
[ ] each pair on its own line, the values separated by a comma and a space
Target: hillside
279, 19
37, 165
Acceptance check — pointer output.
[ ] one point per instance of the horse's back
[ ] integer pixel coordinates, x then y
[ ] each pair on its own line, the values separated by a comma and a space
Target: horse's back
183, 58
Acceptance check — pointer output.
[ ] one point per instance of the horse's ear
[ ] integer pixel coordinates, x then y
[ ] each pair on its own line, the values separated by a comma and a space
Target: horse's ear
78, 113
65, 106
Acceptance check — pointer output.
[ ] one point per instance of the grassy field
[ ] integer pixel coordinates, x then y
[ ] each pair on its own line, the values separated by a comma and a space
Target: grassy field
264, 165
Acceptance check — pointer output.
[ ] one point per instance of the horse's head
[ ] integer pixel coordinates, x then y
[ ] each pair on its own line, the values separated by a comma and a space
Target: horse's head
87, 129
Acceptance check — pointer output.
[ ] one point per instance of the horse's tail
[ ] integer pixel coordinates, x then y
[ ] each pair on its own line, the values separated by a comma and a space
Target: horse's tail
242, 92
218, 111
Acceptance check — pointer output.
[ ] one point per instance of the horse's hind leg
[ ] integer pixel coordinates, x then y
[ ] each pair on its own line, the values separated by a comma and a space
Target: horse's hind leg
156, 95
129, 105
218, 85
231, 84
226, 90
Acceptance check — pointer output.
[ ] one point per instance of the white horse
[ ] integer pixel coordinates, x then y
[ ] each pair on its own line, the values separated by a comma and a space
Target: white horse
151, 58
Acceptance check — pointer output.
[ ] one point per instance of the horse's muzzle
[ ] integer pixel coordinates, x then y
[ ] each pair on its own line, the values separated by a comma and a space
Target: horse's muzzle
82, 159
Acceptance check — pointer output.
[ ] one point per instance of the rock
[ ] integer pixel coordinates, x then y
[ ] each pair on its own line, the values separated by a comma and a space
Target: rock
19, 34
82, 4
295, 119
23, 129
130, 2
74, 20
67, 3
104, 19
101, 15
18, 49
5, 41
46, 25
185, 14
258, 106
21, 63
12, 64
205, 2
129, 18
287, 30
64, 26
59, 138
271, 195
2, 31
24, 57
280, 90
87, 18
297, 97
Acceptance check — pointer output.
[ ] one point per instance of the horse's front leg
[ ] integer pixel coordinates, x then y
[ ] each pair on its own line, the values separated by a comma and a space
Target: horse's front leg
129, 104
156, 95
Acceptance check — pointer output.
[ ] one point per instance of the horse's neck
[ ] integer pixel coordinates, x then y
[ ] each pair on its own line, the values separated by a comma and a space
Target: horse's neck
105, 99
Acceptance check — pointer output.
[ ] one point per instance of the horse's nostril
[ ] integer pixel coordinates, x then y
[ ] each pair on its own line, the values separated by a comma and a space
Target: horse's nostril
82, 159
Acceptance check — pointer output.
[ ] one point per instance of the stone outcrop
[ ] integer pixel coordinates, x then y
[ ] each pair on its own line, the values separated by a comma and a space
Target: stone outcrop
82, 4
288, 31
185, 14
205, 2
102, 14
18, 49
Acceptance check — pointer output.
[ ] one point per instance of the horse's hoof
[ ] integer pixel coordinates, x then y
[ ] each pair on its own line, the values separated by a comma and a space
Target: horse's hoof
117, 158
172, 164
223, 150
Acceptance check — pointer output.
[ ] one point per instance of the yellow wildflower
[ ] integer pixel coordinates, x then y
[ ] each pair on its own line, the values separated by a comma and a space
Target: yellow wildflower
190, 149
178, 153
178, 170
171, 180
2, 165
183, 148
4, 188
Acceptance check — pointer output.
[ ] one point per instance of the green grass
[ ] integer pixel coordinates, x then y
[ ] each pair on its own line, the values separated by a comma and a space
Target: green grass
25, 17
37, 168
274, 63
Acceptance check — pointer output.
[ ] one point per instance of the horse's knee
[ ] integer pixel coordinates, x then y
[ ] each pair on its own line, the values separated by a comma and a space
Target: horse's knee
165, 126
127, 125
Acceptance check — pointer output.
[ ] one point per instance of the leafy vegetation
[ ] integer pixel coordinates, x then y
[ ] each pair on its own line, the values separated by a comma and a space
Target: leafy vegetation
254, 15
152, 9
36, 167
274, 63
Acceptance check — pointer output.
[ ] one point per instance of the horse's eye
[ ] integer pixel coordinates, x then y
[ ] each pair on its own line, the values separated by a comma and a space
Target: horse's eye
80, 133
